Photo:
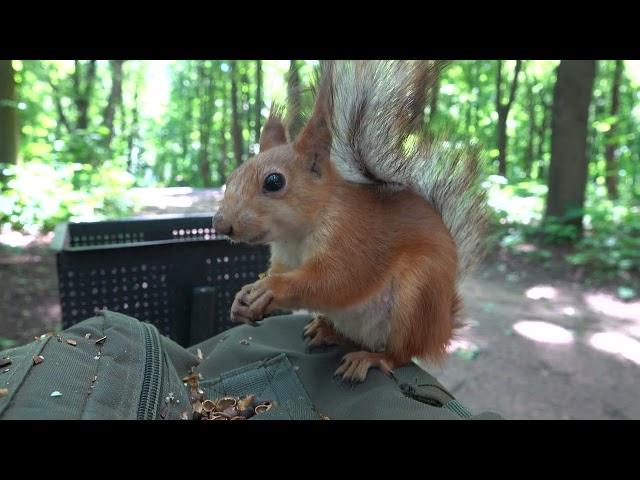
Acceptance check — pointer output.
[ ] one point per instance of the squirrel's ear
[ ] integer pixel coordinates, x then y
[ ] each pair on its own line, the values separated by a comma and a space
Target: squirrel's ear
314, 141
273, 133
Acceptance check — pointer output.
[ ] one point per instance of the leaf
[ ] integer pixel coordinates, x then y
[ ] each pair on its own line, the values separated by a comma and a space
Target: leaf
626, 293
7, 343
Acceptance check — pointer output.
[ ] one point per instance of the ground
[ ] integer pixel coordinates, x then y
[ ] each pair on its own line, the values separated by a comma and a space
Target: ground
538, 343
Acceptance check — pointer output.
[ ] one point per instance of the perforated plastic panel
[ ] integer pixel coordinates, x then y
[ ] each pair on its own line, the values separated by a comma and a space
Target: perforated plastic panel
102, 265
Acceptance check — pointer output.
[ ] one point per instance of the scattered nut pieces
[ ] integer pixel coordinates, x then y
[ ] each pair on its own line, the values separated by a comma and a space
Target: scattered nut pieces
163, 411
200, 355
244, 342
37, 359
72, 343
87, 336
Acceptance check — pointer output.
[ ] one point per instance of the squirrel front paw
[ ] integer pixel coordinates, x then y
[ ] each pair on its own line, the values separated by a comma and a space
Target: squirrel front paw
251, 303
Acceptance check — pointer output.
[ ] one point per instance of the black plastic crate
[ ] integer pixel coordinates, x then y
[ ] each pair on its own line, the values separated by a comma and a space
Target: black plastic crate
169, 270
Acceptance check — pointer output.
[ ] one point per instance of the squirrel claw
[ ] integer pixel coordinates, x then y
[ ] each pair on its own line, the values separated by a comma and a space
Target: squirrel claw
321, 334
355, 365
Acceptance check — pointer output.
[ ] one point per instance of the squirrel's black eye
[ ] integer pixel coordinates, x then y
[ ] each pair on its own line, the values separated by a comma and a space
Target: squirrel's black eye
273, 182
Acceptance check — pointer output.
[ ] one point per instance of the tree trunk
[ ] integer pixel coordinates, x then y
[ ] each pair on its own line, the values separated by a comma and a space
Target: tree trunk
528, 159
8, 115
294, 101
133, 132
503, 114
236, 133
83, 95
222, 164
258, 110
115, 97
610, 150
569, 162
206, 106
542, 137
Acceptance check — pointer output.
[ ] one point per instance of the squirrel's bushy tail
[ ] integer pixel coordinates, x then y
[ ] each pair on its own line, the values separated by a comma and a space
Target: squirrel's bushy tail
374, 110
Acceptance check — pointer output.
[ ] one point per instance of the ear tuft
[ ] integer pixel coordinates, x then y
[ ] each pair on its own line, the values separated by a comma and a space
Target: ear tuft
273, 132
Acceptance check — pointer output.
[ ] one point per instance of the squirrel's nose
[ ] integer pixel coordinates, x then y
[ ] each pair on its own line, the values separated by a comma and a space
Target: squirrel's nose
221, 226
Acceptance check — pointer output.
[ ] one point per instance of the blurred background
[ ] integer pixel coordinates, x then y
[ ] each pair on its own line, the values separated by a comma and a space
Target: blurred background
553, 314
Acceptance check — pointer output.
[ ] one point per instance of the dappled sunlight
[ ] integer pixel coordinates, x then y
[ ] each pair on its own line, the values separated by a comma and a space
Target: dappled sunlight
609, 305
544, 332
617, 343
569, 311
541, 291
15, 239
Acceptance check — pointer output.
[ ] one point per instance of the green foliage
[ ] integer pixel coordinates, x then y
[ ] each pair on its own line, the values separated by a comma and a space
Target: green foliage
609, 247
40, 195
173, 126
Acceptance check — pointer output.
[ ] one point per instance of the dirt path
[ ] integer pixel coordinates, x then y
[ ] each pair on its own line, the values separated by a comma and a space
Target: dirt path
535, 347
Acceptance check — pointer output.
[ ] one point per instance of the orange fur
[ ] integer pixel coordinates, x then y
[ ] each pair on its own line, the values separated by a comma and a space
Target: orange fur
336, 245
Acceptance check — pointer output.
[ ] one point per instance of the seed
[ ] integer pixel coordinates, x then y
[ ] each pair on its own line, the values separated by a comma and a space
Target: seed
95, 377
225, 402
72, 342
5, 370
38, 359
87, 336
263, 408
246, 402
208, 406
200, 356
100, 340
56, 394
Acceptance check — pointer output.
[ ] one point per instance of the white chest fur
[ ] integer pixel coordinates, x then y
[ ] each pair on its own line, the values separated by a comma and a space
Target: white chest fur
368, 323
289, 253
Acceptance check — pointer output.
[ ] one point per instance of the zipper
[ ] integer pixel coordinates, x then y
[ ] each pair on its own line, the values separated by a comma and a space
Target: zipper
150, 394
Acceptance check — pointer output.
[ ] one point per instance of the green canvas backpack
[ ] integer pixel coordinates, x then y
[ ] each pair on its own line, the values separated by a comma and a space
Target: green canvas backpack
114, 367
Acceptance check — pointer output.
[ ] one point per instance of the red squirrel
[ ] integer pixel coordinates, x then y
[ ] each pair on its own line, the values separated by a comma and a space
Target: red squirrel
371, 222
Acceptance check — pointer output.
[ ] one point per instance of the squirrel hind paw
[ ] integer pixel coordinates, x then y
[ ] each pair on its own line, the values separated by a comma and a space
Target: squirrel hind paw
320, 333
355, 366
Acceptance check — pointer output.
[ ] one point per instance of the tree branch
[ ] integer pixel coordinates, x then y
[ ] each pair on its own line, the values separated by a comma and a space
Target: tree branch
514, 84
